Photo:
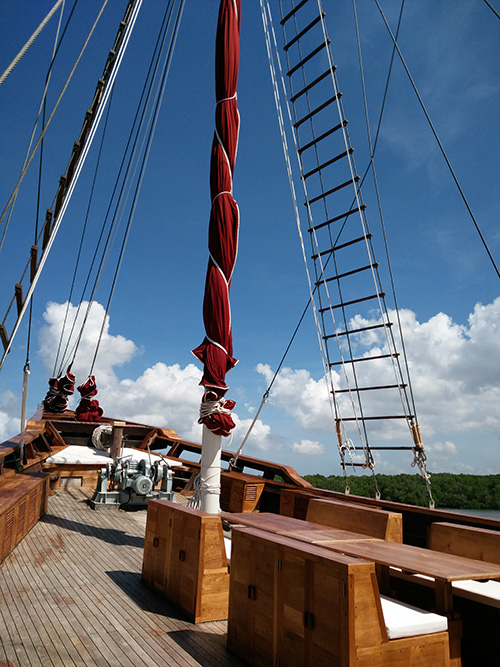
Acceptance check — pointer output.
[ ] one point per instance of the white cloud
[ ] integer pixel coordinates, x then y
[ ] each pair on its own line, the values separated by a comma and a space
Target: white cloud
302, 397
9, 406
261, 437
308, 447
114, 350
455, 374
163, 395
442, 450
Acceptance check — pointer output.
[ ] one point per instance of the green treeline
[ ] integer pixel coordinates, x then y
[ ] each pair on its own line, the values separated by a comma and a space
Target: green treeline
449, 490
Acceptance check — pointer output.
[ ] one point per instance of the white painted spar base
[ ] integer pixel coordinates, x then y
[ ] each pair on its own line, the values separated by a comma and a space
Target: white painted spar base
210, 471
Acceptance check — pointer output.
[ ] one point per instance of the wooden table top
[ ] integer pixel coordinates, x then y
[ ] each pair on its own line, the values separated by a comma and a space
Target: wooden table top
287, 526
435, 564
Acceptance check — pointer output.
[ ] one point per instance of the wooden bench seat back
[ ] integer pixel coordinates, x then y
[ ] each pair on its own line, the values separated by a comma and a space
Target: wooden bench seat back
357, 518
185, 559
477, 543
297, 604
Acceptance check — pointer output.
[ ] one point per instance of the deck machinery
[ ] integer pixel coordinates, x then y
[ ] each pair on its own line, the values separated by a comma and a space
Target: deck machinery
129, 484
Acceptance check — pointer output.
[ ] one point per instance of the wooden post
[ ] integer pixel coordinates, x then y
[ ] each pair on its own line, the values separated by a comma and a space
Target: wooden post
116, 439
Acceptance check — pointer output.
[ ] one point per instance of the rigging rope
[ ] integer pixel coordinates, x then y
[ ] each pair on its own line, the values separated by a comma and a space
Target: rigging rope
41, 109
128, 176
419, 456
492, 9
56, 372
382, 220
348, 443
80, 163
268, 31
30, 41
46, 127
153, 121
438, 141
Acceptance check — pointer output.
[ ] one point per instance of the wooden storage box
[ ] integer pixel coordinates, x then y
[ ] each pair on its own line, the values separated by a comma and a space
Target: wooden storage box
299, 604
240, 492
23, 500
185, 559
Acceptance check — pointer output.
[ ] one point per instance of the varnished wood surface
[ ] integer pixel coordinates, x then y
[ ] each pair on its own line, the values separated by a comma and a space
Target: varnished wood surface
71, 594
447, 567
313, 533
367, 520
478, 543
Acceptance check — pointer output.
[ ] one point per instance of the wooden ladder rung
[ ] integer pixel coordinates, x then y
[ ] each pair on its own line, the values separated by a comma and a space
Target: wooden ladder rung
293, 11
355, 361
304, 60
4, 337
316, 141
350, 332
337, 218
354, 390
317, 110
341, 246
338, 276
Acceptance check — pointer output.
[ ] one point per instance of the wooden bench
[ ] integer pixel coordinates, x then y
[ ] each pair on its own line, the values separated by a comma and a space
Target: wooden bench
361, 519
291, 603
477, 543
23, 500
185, 559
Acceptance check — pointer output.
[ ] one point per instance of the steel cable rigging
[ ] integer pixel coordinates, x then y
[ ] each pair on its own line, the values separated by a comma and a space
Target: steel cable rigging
128, 181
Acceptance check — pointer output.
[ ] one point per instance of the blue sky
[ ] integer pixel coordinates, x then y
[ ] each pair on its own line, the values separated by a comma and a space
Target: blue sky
446, 286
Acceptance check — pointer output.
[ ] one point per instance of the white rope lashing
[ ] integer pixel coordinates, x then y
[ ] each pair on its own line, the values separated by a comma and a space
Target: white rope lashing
201, 488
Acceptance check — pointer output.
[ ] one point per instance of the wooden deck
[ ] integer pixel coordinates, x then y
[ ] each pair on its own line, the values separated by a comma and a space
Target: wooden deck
71, 594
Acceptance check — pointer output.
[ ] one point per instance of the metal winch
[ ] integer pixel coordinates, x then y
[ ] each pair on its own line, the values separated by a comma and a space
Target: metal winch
127, 483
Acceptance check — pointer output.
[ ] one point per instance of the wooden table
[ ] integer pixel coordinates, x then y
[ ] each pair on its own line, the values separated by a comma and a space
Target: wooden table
443, 568
305, 531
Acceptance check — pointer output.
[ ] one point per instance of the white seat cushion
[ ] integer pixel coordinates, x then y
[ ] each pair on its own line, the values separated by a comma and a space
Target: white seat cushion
486, 592
403, 620
79, 455
227, 546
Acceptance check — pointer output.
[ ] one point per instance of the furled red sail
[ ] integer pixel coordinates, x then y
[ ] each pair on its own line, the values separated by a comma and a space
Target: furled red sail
88, 409
60, 389
216, 351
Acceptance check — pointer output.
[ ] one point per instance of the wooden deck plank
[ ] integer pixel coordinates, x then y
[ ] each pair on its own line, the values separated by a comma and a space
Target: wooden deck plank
49, 648
75, 584
71, 583
105, 599
75, 646
55, 624
109, 522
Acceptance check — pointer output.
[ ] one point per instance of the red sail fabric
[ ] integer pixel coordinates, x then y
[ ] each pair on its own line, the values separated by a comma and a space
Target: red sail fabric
88, 410
60, 389
216, 351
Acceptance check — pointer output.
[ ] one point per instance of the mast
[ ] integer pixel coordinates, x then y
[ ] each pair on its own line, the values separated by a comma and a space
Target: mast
216, 351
